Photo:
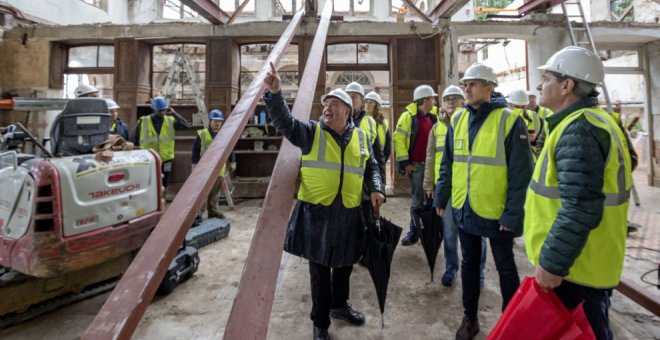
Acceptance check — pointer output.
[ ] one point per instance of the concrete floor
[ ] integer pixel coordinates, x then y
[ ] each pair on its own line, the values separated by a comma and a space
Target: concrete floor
416, 308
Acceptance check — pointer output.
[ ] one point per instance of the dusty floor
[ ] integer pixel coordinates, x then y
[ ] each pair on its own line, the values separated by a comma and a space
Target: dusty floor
416, 308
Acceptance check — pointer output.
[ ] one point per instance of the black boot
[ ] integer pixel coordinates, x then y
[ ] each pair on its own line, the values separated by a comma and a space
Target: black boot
410, 239
321, 334
348, 314
468, 330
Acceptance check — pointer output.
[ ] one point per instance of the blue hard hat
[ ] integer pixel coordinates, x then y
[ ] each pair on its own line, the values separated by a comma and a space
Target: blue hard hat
216, 115
159, 103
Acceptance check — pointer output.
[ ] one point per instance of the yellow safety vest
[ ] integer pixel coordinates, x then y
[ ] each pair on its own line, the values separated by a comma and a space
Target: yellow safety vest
326, 167
440, 134
204, 141
401, 137
382, 131
531, 120
544, 112
479, 171
113, 127
162, 143
368, 125
601, 261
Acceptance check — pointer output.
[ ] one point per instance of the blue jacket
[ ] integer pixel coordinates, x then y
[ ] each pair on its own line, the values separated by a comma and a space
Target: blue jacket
121, 128
520, 164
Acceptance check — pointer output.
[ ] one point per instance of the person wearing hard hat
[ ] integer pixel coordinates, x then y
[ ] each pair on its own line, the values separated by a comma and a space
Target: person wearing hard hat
533, 105
202, 142
485, 170
577, 201
326, 225
118, 126
519, 101
453, 100
85, 90
156, 131
410, 138
372, 106
367, 124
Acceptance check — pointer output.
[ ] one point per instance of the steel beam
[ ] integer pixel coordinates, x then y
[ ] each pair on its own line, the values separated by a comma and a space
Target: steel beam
250, 313
640, 295
209, 10
446, 9
414, 8
238, 12
124, 308
537, 5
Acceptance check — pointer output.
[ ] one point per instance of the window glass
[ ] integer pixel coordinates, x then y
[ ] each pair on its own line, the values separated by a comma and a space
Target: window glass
83, 56
372, 54
106, 56
342, 54
357, 53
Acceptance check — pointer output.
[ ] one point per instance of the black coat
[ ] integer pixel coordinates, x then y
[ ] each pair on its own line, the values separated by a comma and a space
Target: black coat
328, 235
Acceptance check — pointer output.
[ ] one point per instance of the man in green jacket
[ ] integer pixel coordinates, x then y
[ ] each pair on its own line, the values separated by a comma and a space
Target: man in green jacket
577, 201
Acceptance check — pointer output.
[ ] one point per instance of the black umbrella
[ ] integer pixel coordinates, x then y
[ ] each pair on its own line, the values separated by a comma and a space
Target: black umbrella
430, 232
382, 237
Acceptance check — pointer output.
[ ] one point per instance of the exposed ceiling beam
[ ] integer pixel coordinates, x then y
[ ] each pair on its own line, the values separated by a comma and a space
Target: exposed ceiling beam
446, 8
537, 5
209, 10
414, 8
238, 12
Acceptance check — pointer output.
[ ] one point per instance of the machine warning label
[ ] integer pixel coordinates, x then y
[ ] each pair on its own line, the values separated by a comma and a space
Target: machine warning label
114, 191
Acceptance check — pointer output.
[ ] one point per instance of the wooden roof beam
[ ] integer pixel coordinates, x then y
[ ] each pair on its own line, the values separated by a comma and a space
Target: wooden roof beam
537, 5
446, 9
209, 10
419, 12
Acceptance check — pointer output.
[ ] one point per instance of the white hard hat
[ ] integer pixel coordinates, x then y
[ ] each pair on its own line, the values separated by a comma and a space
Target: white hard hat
480, 72
423, 91
355, 88
341, 95
375, 97
85, 89
112, 104
453, 90
578, 63
518, 97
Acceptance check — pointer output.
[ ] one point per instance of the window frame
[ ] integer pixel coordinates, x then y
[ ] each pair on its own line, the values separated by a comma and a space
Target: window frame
358, 66
88, 69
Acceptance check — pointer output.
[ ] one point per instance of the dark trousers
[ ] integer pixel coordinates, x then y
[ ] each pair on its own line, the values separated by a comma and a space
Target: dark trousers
596, 305
502, 249
330, 289
166, 173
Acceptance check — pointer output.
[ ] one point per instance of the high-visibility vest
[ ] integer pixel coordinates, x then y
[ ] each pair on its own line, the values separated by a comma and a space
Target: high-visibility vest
439, 133
479, 171
544, 112
382, 131
368, 125
205, 140
601, 261
327, 171
401, 137
113, 127
162, 143
530, 118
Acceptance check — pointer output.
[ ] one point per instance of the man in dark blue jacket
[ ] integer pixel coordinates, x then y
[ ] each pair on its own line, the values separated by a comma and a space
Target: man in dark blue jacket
485, 170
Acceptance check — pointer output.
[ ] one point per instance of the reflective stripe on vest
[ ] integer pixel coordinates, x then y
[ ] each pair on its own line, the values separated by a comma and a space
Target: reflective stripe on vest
163, 143
479, 171
205, 141
440, 134
368, 125
113, 127
322, 169
401, 136
382, 130
601, 261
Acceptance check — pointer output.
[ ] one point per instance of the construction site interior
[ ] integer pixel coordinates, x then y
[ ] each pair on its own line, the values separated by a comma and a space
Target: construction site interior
93, 247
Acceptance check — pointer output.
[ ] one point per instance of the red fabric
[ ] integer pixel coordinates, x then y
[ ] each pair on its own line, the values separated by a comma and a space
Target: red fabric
419, 152
535, 314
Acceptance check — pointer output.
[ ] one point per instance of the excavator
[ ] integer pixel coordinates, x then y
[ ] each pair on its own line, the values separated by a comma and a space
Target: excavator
71, 222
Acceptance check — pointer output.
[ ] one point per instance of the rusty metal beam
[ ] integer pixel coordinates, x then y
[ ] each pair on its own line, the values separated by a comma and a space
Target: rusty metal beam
238, 12
640, 295
124, 308
209, 10
414, 8
537, 5
250, 313
446, 9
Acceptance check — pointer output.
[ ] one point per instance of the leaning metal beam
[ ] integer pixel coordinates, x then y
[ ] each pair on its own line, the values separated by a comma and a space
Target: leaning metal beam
414, 8
642, 296
250, 313
446, 9
535, 5
209, 10
238, 12
124, 308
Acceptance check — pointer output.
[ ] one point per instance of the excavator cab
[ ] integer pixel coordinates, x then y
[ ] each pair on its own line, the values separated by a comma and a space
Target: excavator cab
83, 123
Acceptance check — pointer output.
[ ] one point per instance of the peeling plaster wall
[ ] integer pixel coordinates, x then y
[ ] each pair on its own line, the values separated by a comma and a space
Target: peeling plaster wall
72, 12
647, 11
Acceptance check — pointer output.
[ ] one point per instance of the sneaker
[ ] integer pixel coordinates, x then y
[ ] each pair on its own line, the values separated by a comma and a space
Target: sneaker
468, 330
448, 279
409, 240
348, 314
321, 334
